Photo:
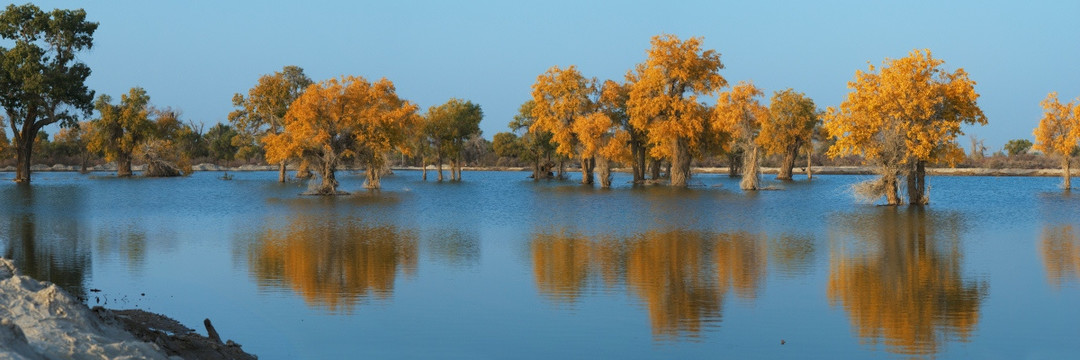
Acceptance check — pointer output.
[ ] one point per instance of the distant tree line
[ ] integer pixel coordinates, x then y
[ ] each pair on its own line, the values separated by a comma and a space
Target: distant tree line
899, 118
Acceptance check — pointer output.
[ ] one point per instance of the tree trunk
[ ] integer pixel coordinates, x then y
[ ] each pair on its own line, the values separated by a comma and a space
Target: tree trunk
329, 181
438, 166
281, 171
638, 163
536, 170
680, 162
603, 170
458, 165
587, 165
423, 167
123, 166
372, 178
22, 161
562, 169
750, 170
916, 183
654, 169
890, 184
809, 164
1065, 165
735, 163
788, 163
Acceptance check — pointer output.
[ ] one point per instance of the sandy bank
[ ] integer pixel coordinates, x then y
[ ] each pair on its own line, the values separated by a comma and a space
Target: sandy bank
38, 320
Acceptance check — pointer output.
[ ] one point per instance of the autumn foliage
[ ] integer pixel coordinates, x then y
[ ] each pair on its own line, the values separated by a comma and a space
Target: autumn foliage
790, 128
664, 99
1059, 132
739, 114
343, 119
901, 116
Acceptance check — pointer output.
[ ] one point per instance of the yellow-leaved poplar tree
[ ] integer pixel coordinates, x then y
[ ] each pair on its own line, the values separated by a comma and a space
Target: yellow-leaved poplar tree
121, 128
790, 127
663, 100
899, 118
612, 102
739, 114
1059, 132
344, 119
262, 112
561, 97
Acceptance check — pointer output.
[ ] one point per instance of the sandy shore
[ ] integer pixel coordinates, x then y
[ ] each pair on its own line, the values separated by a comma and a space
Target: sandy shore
39, 320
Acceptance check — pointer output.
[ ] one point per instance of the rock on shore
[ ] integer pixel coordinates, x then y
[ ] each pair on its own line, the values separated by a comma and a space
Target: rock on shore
38, 320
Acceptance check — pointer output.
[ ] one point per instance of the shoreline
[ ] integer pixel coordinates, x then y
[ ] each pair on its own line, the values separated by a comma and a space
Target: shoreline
40, 320
817, 170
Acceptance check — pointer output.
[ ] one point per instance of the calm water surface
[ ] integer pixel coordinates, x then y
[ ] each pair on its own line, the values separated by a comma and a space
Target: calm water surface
501, 267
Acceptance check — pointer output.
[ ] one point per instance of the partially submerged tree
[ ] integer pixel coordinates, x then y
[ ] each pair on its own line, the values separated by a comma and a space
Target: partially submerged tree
262, 112
561, 97
1058, 133
663, 101
43, 83
537, 146
739, 113
121, 128
448, 127
789, 129
341, 119
902, 116
612, 102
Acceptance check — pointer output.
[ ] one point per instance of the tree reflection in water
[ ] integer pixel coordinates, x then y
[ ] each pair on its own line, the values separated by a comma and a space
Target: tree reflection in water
681, 276
897, 273
334, 264
1060, 250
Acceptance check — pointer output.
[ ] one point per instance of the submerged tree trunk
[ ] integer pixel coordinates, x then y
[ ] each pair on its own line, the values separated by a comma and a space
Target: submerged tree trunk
603, 171
423, 167
809, 164
680, 162
1066, 168
438, 167
22, 163
123, 166
788, 163
329, 181
562, 169
916, 183
638, 162
281, 171
889, 181
654, 169
587, 165
372, 178
735, 163
750, 170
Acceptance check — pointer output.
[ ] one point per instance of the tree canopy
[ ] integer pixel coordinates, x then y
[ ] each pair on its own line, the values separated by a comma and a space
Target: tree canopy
43, 81
901, 116
664, 99
263, 111
121, 128
1059, 132
790, 127
342, 119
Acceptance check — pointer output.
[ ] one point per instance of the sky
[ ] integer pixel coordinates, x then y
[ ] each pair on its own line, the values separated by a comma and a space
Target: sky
194, 55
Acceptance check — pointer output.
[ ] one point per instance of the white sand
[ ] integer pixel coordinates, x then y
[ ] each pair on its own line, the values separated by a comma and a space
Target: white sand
38, 320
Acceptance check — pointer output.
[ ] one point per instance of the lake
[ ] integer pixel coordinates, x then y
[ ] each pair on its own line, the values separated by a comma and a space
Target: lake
499, 266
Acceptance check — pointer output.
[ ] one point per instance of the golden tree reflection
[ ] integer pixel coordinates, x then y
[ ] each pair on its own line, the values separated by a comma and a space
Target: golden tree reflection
1060, 250
681, 276
333, 264
906, 288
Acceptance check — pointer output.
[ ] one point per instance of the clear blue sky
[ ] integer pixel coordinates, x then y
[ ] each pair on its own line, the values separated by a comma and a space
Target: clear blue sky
194, 55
